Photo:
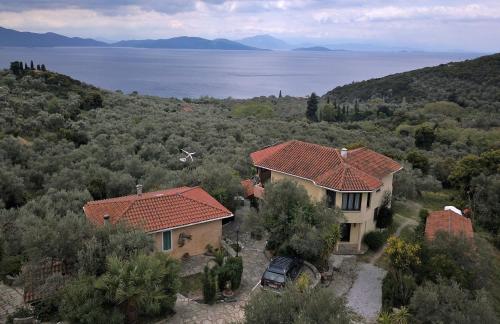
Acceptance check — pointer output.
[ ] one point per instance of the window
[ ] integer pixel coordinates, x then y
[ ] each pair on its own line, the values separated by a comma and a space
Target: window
351, 201
330, 198
368, 200
167, 240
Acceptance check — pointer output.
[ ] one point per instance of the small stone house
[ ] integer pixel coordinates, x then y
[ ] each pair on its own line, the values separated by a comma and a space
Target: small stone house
353, 180
182, 220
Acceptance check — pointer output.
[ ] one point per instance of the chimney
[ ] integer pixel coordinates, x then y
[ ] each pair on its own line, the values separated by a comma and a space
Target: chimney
106, 219
343, 153
139, 189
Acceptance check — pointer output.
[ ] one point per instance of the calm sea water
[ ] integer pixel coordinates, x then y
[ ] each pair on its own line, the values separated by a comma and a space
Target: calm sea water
221, 74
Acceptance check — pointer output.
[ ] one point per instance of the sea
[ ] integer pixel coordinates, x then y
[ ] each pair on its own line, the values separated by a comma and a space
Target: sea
222, 73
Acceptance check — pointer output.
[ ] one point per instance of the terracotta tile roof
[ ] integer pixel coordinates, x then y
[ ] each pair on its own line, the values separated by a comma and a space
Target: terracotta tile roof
247, 187
371, 162
154, 211
447, 221
345, 177
362, 170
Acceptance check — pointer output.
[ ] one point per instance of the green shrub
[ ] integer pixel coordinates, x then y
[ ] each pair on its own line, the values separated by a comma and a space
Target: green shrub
374, 240
82, 303
137, 284
293, 306
47, 309
10, 265
21, 312
384, 217
397, 289
447, 302
91, 101
420, 229
219, 256
223, 276
209, 289
234, 266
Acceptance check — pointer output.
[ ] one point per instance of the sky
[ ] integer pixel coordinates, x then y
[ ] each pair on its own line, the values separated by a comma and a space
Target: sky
439, 25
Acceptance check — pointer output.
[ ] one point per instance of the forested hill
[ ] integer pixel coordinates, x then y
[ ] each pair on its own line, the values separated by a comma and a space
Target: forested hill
472, 83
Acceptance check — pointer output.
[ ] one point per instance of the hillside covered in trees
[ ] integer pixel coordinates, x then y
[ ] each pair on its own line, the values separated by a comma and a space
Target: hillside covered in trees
63, 142
472, 83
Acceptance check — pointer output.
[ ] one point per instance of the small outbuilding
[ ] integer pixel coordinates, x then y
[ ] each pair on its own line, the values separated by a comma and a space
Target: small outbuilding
182, 220
450, 221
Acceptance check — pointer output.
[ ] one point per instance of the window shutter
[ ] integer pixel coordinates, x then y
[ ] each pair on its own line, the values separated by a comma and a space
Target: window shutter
167, 241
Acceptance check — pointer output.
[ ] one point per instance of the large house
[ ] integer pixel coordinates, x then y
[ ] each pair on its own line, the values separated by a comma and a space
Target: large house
449, 220
353, 180
182, 220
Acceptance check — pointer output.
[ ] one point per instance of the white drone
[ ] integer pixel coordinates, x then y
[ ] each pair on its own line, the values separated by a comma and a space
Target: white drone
188, 156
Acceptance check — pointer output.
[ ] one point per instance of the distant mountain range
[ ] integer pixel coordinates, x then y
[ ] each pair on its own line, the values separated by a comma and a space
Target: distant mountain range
185, 43
10, 37
266, 42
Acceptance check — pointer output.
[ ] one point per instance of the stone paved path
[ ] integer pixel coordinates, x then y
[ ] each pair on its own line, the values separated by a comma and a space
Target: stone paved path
254, 264
10, 299
365, 296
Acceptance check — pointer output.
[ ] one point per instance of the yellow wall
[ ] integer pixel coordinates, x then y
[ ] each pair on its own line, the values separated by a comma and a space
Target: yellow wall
316, 193
363, 219
201, 235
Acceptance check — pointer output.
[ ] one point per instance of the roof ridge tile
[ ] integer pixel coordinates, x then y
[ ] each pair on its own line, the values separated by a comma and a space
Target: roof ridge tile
315, 162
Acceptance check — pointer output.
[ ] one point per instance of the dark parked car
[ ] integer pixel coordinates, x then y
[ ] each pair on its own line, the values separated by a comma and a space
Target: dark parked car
280, 271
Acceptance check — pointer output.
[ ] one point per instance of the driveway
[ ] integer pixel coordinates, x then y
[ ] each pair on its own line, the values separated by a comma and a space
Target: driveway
365, 295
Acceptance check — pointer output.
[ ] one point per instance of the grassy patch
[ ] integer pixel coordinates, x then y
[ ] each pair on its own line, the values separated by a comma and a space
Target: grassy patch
191, 285
407, 233
397, 220
259, 110
429, 200
436, 200
408, 209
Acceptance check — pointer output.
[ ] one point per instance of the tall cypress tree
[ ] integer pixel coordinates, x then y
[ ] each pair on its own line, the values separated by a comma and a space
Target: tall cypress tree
43, 67
25, 65
357, 115
312, 107
32, 66
14, 67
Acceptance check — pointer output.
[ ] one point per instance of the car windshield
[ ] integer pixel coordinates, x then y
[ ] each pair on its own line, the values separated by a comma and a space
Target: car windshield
273, 276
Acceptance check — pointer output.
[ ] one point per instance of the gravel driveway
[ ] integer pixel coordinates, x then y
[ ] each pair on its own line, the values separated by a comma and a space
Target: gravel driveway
365, 296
